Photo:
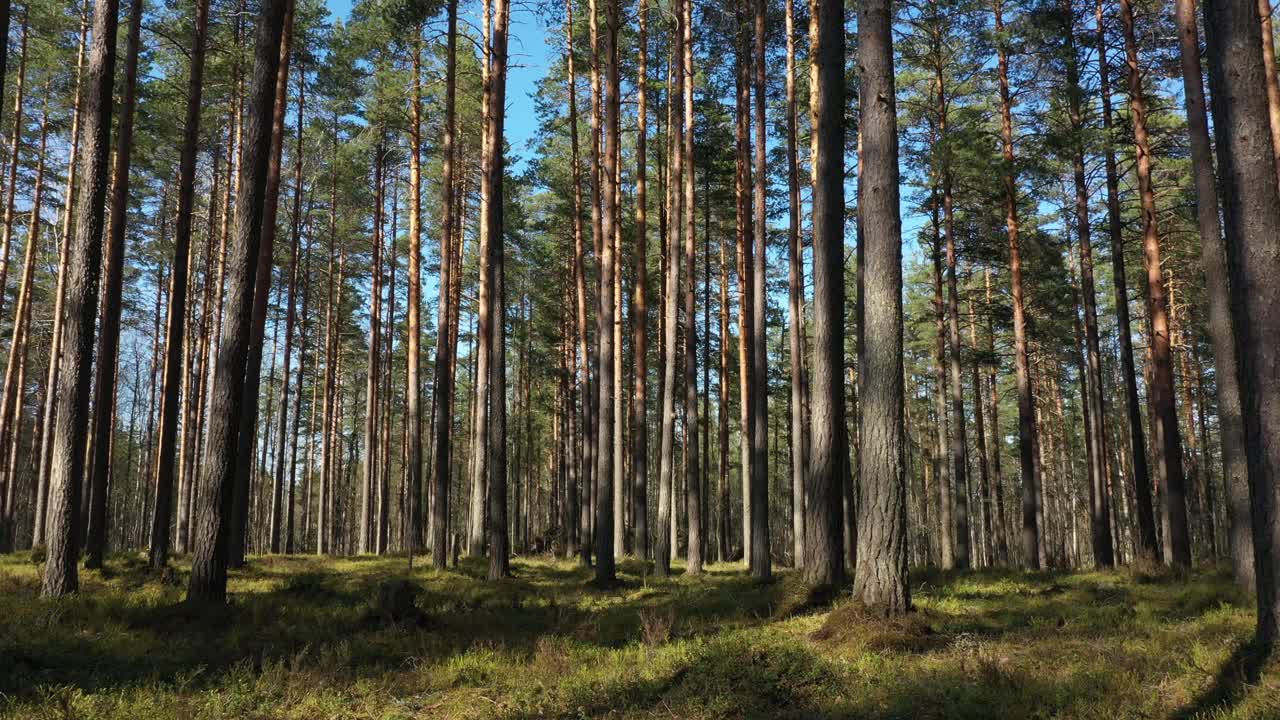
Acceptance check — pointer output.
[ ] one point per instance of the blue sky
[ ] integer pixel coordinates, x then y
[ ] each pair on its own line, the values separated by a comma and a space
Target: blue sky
532, 49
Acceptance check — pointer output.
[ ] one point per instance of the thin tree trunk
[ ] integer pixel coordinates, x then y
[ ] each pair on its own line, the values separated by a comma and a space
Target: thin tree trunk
1167, 439
640, 307
1147, 544
1031, 535
693, 482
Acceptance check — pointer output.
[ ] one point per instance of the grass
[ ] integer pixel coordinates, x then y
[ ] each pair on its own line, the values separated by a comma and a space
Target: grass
302, 638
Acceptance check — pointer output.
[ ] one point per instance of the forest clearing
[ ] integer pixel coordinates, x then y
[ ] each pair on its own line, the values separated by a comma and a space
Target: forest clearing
303, 637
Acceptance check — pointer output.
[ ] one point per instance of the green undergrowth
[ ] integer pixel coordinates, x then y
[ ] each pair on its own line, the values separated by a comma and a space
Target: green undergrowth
302, 637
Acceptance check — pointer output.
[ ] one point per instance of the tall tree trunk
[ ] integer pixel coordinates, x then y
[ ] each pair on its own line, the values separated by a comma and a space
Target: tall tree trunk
443, 378
291, 318
109, 321
1031, 535
1167, 438
499, 539
941, 463
1217, 287
799, 429
1094, 402
1147, 544
1249, 179
261, 293
15, 148
606, 350
880, 577
760, 550
373, 378
64, 242
19, 348
693, 477
226, 405
640, 307
175, 329
824, 526
743, 240
84, 259
666, 548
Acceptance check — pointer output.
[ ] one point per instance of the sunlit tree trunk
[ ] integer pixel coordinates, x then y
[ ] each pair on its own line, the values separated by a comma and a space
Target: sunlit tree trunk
1167, 438
212, 550
84, 259
1147, 546
880, 575
640, 306
103, 421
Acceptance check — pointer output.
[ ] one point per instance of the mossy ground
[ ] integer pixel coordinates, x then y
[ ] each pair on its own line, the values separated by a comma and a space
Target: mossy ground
301, 638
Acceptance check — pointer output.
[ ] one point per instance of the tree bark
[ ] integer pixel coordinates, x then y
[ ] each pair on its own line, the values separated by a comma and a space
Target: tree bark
84, 259
103, 422
1252, 224
1147, 544
226, 404
880, 575
824, 527
640, 306
1217, 289
1167, 438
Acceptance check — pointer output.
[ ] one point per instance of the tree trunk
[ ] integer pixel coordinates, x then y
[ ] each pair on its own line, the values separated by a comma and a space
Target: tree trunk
693, 482
1217, 287
175, 329
1167, 440
1147, 545
443, 378
665, 549
824, 527
1031, 536
640, 307
84, 259
1249, 179
880, 577
499, 539
109, 336
227, 399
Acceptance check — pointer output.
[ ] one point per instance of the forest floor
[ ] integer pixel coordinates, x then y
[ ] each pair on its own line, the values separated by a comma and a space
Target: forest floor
303, 638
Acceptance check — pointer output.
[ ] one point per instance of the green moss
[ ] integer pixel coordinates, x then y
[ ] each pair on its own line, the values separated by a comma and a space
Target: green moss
299, 639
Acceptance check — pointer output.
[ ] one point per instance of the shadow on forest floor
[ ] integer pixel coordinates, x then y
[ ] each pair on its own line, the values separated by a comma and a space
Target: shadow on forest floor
302, 637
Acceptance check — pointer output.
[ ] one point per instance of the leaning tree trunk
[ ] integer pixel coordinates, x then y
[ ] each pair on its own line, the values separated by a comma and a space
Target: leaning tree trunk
84, 259
209, 564
109, 332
